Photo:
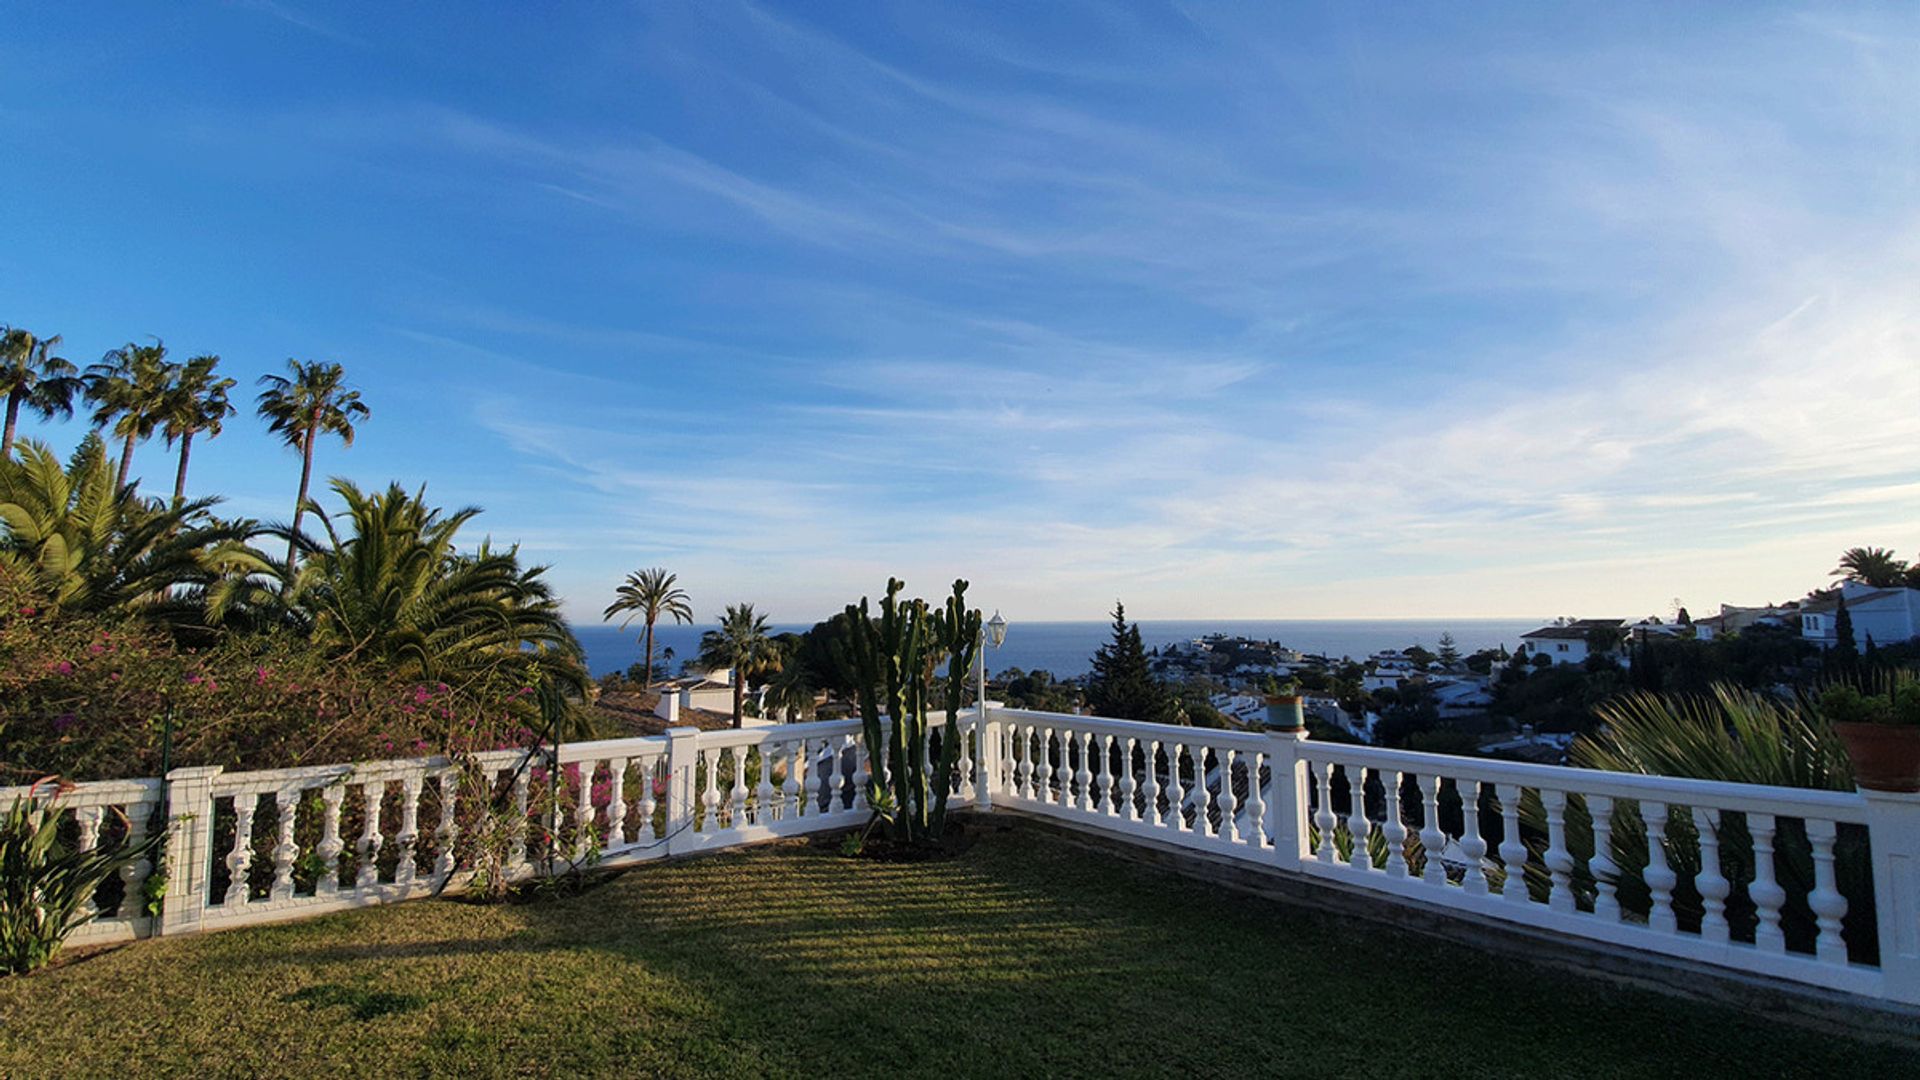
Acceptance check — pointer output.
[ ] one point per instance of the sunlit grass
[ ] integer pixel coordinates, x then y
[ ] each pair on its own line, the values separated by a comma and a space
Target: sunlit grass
1025, 956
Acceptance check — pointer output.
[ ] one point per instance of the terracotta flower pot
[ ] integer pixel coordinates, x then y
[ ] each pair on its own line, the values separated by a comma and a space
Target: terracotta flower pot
1886, 757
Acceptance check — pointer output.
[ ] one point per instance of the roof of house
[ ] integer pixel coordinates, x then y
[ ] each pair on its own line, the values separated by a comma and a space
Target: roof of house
1830, 603
1571, 633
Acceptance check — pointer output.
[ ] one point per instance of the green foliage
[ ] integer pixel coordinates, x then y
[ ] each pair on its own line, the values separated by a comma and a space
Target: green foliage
1891, 697
1875, 566
895, 660
1122, 685
33, 379
46, 885
86, 543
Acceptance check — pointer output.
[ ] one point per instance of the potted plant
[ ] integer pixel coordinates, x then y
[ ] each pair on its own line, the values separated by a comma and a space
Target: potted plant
1881, 729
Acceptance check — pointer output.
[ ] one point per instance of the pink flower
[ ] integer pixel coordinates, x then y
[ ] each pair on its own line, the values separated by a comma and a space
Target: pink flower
64, 667
195, 680
260, 676
96, 648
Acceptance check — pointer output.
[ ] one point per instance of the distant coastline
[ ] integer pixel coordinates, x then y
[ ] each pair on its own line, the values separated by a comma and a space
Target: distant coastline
1066, 648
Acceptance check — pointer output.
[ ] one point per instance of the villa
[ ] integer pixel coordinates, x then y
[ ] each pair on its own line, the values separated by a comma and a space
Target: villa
1567, 643
1886, 616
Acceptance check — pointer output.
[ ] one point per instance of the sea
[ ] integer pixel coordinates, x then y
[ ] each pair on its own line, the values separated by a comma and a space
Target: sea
1066, 648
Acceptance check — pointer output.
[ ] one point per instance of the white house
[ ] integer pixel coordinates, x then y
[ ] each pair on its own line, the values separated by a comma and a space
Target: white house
1886, 615
1567, 643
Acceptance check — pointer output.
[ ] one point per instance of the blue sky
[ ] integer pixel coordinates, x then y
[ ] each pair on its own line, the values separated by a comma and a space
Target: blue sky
1227, 310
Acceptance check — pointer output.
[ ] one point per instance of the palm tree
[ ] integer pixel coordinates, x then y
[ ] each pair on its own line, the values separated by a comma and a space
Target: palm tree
129, 389
91, 544
387, 582
741, 643
198, 402
649, 594
1871, 566
32, 377
315, 401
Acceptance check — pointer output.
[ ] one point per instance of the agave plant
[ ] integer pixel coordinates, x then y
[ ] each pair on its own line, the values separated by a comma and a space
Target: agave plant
90, 544
45, 885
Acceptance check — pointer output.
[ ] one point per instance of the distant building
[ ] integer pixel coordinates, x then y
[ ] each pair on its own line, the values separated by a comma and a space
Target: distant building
1567, 643
1733, 619
1886, 615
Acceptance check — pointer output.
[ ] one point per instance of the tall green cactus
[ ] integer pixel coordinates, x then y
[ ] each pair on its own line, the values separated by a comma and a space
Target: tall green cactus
895, 661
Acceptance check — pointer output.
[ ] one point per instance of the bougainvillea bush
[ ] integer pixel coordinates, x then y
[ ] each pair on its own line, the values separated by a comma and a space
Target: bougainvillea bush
89, 698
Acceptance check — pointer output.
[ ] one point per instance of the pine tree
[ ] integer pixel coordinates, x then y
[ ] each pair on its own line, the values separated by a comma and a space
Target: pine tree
1122, 686
1449, 651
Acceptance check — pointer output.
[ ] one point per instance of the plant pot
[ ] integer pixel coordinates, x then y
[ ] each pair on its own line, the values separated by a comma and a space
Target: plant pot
1886, 757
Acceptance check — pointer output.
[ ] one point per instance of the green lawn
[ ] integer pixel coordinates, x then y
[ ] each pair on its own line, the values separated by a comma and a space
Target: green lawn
1024, 957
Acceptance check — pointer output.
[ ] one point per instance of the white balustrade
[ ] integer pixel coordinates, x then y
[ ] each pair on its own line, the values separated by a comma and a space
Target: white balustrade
1609, 851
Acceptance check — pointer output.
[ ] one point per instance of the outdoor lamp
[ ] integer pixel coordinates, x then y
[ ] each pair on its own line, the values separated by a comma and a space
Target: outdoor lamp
996, 630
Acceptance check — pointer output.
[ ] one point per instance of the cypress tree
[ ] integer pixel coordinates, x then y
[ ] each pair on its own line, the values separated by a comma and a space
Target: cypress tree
1122, 686
1845, 653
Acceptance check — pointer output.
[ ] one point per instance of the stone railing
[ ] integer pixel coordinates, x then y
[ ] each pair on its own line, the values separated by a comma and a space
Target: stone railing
1815, 887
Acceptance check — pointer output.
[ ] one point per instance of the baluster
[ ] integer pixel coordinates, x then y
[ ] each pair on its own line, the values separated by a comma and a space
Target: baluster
1432, 836
286, 804
1513, 848
88, 818
859, 777
134, 874
1391, 786
372, 793
1083, 775
330, 845
1129, 785
1473, 846
1660, 876
1105, 783
831, 781
963, 765
1228, 802
1023, 761
763, 809
1829, 907
795, 783
1766, 892
1324, 817
1358, 857
710, 792
584, 826
647, 772
449, 830
404, 870
1257, 800
616, 805
1150, 783
737, 798
1202, 793
517, 834
1711, 882
1043, 767
1606, 872
1176, 790
1558, 857
240, 859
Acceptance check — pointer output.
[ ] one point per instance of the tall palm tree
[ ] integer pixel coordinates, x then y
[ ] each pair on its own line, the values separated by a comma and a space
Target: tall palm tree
649, 594
33, 378
314, 402
129, 389
743, 644
1871, 566
198, 402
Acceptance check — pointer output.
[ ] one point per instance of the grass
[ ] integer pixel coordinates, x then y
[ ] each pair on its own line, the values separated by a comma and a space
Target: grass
1025, 956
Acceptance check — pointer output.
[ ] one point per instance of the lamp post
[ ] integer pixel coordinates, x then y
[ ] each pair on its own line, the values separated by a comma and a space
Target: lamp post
992, 633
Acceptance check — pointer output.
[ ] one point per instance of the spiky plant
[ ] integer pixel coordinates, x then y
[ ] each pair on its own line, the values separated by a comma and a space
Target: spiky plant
91, 544
45, 885
895, 661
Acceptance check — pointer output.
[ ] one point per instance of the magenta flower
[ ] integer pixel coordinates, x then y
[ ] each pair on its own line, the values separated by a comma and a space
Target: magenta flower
63, 722
64, 667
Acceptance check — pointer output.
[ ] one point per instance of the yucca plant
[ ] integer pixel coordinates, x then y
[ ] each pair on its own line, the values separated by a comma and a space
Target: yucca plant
45, 885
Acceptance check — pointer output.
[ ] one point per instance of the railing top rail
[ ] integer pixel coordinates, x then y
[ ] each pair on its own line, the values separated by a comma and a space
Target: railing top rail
1719, 794
1139, 728
633, 746
93, 792
320, 775
778, 733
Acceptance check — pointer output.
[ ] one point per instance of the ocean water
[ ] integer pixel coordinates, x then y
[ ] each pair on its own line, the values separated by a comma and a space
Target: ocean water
1067, 648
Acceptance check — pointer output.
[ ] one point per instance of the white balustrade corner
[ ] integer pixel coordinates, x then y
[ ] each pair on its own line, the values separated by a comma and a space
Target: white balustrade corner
1815, 887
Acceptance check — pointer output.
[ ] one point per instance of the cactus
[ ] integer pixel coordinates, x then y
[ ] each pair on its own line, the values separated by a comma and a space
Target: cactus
894, 661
